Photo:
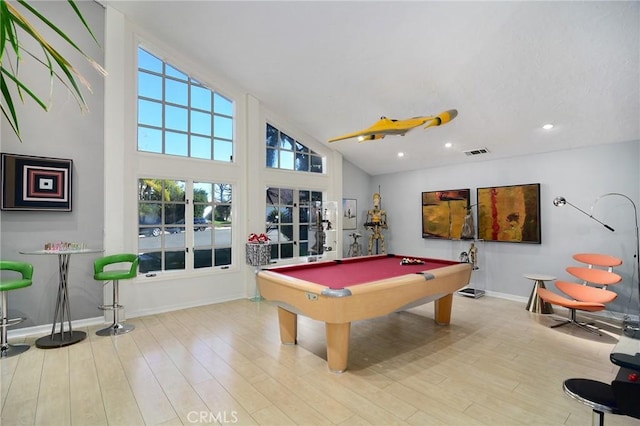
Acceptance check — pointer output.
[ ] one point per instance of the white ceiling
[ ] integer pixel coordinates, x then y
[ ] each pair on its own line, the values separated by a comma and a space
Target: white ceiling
507, 67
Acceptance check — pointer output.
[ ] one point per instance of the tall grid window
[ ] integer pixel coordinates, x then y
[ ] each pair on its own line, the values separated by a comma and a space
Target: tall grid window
178, 115
293, 222
284, 152
167, 241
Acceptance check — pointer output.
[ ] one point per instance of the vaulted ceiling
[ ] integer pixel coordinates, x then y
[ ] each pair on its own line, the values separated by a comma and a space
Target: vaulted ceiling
334, 67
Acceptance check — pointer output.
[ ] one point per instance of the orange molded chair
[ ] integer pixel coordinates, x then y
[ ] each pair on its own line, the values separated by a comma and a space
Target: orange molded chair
591, 295
573, 306
597, 277
596, 259
584, 292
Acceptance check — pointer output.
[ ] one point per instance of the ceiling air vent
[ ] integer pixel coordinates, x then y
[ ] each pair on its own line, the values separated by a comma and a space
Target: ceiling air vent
477, 151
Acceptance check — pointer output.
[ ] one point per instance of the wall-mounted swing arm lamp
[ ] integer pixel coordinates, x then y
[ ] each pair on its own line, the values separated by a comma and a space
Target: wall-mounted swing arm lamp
630, 328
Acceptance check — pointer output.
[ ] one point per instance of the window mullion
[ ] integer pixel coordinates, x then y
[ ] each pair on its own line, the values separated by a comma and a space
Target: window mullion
296, 222
188, 227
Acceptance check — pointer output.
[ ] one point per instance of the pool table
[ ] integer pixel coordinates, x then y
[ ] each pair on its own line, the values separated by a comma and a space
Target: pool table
339, 292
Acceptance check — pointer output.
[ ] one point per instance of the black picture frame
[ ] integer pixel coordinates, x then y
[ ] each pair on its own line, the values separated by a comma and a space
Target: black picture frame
31, 183
509, 213
444, 213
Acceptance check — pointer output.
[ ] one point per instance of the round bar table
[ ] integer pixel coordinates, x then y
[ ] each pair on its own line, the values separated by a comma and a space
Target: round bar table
63, 309
536, 304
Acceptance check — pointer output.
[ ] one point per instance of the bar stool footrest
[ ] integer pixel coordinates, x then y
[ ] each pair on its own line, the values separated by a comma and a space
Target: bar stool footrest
110, 307
13, 321
13, 350
115, 329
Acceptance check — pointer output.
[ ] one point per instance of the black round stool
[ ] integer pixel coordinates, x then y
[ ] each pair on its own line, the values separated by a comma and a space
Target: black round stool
597, 395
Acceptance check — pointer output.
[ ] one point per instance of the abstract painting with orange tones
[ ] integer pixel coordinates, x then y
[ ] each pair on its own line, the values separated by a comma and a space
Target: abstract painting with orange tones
509, 213
443, 213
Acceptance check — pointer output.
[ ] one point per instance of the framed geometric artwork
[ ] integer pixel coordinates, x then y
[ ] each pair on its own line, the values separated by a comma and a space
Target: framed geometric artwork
444, 213
350, 213
509, 213
36, 183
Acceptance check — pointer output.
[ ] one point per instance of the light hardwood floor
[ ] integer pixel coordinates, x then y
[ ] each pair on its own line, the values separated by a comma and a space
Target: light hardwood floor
495, 364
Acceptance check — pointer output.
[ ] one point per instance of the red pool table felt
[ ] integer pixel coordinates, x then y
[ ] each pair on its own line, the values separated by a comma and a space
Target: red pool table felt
359, 270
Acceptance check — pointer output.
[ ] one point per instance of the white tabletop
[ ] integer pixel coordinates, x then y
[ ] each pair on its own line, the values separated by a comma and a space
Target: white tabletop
77, 251
539, 277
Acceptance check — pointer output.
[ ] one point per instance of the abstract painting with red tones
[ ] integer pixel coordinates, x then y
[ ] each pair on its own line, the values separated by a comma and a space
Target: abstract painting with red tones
509, 213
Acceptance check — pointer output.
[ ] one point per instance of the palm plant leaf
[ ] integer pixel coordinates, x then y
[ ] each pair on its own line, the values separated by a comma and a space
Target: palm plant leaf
55, 28
57, 76
48, 49
7, 95
7, 29
57, 65
22, 87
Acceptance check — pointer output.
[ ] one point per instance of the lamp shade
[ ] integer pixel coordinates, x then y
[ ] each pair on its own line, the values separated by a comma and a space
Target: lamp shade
559, 201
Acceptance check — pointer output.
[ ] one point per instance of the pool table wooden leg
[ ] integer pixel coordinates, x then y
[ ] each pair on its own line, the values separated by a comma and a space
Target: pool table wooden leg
338, 346
442, 309
288, 326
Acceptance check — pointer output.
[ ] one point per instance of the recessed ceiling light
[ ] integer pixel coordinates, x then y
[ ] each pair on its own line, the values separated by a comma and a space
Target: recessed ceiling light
448, 145
548, 126
401, 154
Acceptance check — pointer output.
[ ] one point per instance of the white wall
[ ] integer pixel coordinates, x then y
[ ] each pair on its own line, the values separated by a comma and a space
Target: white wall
355, 185
580, 175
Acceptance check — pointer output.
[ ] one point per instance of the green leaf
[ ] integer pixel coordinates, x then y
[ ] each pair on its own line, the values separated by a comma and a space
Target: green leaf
57, 65
21, 86
62, 34
5, 25
75, 8
13, 120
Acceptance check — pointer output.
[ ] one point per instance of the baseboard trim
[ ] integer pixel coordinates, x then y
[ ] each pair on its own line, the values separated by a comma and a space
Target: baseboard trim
43, 330
89, 322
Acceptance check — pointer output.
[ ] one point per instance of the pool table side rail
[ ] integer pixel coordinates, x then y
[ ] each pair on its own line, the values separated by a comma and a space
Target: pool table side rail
366, 301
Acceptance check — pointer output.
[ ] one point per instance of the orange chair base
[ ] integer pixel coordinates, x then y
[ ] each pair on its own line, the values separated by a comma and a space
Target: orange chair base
572, 305
589, 326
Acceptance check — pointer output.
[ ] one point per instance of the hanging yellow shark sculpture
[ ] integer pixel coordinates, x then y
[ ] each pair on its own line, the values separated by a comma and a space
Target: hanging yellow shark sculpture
387, 126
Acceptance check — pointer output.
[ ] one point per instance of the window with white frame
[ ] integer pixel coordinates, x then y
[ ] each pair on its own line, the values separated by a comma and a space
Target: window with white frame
178, 115
294, 222
168, 240
184, 224
284, 152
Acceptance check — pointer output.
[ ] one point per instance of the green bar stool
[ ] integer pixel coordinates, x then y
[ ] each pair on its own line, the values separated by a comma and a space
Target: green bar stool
26, 276
115, 275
